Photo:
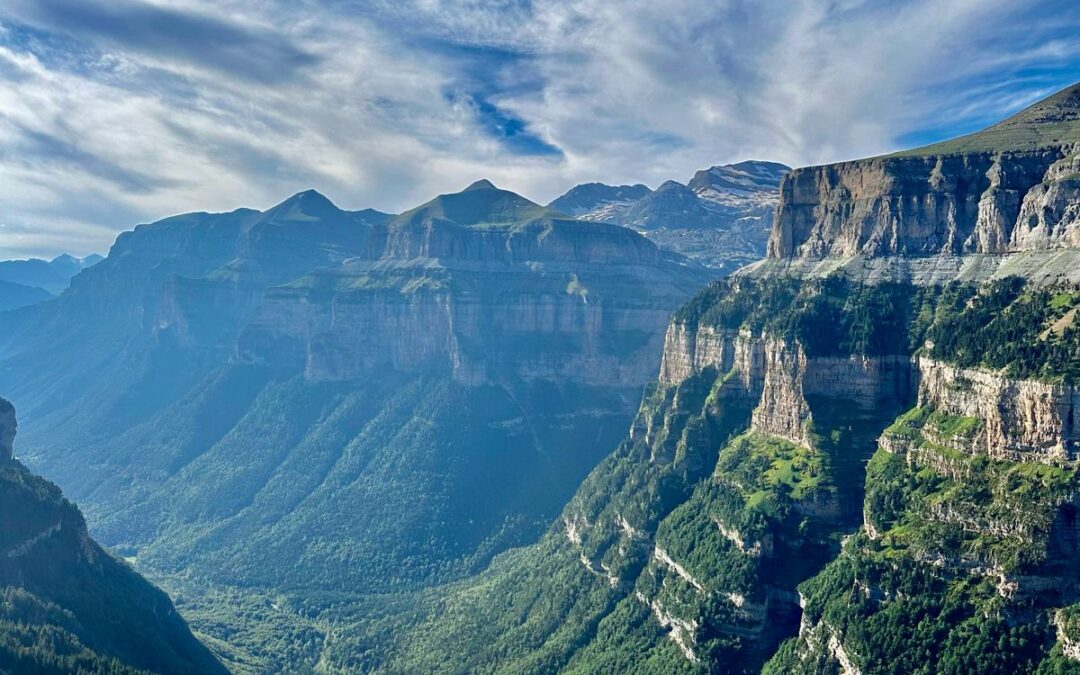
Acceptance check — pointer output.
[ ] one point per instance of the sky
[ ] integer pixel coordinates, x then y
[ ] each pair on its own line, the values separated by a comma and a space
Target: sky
118, 112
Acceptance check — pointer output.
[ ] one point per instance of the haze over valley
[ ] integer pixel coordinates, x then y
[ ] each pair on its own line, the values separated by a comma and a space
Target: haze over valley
673, 339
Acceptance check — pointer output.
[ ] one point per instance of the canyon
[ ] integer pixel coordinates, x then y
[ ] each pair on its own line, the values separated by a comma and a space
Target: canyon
858, 452
489, 436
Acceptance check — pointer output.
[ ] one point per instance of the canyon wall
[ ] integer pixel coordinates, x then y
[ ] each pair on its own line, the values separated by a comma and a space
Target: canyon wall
989, 202
7, 430
1023, 420
780, 378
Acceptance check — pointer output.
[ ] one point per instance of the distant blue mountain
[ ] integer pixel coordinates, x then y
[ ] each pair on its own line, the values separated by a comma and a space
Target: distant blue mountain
720, 218
51, 275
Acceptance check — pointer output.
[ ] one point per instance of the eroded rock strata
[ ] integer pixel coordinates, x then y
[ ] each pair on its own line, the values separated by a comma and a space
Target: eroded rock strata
747, 465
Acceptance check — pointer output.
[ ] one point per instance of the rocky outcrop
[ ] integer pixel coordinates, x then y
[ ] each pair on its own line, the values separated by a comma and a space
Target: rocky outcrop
924, 205
1050, 213
7, 430
691, 349
1003, 191
1070, 642
1020, 419
783, 410
778, 376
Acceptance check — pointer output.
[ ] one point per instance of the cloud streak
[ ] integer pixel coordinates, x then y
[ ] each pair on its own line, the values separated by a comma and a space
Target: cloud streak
171, 34
113, 113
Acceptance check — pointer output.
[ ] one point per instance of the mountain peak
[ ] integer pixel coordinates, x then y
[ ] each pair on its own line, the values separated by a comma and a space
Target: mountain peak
670, 186
1064, 106
309, 195
742, 178
482, 184
1052, 122
480, 203
308, 203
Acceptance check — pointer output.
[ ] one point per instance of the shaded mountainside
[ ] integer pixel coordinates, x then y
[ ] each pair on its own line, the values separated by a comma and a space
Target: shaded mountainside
324, 402
685, 549
852, 461
67, 605
721, 218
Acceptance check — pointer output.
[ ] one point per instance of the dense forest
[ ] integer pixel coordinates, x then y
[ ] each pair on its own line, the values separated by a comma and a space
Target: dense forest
1004, 325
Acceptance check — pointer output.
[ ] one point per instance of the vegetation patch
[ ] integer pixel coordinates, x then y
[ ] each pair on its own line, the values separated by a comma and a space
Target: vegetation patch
1003, 325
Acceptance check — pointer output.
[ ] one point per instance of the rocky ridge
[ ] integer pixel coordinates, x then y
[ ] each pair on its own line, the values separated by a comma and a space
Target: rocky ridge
721, 217
1000, 202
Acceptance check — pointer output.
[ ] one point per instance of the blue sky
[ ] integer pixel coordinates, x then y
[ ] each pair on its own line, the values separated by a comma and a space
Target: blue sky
115, 112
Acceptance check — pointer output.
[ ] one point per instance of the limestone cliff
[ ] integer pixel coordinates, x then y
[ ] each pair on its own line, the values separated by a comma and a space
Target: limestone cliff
1007, 193
7, 430
485, 298
779, 377
1020, 419
921, 206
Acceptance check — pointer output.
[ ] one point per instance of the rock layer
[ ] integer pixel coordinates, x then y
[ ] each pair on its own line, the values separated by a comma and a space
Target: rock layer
7, 430
1021, 419
935, 205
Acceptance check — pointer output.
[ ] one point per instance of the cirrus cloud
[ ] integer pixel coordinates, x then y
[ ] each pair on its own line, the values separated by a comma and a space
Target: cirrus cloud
113, 113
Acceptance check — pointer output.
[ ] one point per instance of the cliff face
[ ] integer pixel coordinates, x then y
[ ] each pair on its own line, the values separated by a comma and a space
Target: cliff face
779, 377
1008, 189
69, 605
1050, 213
555, 299
921, 206
1023, 420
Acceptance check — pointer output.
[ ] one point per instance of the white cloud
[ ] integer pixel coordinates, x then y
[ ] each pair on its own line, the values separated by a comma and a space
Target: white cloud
98, 132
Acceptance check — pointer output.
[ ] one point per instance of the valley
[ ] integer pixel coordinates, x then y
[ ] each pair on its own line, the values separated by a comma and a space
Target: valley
811, 420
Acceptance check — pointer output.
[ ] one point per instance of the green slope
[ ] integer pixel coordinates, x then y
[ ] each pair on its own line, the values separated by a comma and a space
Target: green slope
585, 598
1052, 122
66, 605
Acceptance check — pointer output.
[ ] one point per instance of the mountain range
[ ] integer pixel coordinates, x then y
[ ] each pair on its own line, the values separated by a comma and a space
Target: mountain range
25, 282
318, 401
721, 218
491, 436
